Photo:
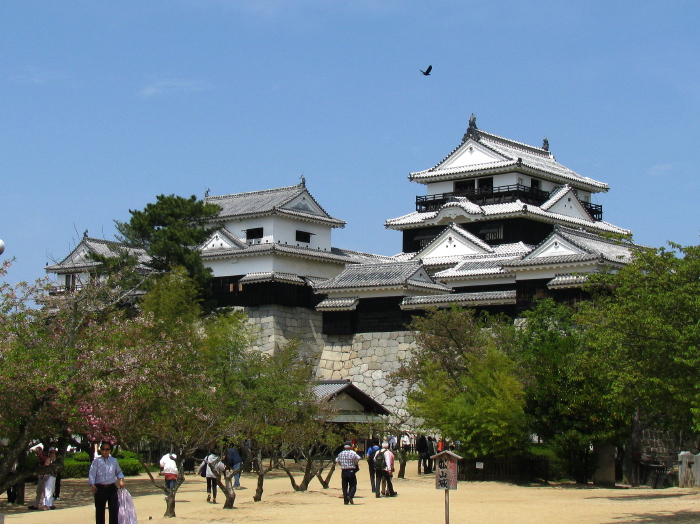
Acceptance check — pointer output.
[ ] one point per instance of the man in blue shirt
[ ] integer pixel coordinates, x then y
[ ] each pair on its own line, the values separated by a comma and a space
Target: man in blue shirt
370, 462
102, 478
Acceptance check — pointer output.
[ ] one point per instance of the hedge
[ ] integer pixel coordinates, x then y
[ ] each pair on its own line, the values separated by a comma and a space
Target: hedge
75, 469
82, 456
78, 469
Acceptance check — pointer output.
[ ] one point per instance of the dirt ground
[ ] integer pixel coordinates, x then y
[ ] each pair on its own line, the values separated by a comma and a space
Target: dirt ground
418, 501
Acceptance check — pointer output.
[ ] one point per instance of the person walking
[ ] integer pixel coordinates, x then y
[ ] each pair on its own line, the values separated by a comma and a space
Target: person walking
210, 462
234, 461
422, 449
384, 466
348, 461
41, 479
49, 483
102, 478
432, 451
371, 451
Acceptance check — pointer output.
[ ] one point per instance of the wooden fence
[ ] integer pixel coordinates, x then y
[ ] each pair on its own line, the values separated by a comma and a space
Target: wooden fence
516, 469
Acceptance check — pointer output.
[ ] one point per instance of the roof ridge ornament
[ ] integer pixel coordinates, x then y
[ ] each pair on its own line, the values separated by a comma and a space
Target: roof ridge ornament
545, 144
472, 130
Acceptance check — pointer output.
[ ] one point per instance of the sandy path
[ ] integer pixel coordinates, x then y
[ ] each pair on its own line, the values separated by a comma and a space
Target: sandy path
418, 501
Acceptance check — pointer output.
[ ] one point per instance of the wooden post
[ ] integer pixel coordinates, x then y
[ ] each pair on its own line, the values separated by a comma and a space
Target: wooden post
447, 506
446, 464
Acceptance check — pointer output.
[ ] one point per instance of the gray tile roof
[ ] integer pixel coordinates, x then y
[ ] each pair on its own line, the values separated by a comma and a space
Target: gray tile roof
398, 274
478, 267
98, 246
567, 281
272, 276
516, 156
593, 247
338, 304
483, 298
329, 389
335, 255
491, 211
271, 201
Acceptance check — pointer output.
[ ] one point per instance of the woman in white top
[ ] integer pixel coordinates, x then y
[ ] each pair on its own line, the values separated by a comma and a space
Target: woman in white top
49, 483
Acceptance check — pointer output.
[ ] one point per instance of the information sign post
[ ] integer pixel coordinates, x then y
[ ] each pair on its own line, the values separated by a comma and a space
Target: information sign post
446, 468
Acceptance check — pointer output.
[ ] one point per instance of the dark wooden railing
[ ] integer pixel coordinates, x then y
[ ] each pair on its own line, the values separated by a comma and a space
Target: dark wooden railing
485, 195
595, 210
497, 195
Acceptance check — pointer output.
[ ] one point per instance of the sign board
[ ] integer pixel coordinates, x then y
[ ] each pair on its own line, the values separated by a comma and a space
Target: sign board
479, 465
446, 470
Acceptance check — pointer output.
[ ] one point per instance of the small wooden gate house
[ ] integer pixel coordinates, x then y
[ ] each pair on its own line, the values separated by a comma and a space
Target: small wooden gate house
351, 404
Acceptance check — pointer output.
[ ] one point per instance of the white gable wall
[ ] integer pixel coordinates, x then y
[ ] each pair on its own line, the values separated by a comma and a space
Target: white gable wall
451, 245
470, 154
570, 206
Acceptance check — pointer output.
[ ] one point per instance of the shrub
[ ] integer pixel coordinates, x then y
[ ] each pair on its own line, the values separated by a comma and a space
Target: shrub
122, 454
130, 466
557, 467
75, 469
82, 456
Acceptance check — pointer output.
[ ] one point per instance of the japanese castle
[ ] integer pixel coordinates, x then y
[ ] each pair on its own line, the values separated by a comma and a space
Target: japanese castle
501, 224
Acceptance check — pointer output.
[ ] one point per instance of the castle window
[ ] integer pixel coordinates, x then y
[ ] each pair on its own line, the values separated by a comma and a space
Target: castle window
486, 183
492, 231
535, 184
465, 186
303, 236
253, 233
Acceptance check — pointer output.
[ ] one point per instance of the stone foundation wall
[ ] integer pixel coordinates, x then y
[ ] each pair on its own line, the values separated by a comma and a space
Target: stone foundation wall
366, 359
665, 445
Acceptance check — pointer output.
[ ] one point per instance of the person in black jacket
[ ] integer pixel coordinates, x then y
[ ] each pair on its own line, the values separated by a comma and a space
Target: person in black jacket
423, 456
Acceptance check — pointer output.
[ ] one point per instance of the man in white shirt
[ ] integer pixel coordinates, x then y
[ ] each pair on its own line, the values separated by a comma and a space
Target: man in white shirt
384, 466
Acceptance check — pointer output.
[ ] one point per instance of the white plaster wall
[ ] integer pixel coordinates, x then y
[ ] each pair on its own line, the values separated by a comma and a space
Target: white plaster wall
436, 188
239, 226
282, 230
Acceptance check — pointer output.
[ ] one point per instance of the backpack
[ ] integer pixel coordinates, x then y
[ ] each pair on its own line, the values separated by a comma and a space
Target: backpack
370, 455
379, 461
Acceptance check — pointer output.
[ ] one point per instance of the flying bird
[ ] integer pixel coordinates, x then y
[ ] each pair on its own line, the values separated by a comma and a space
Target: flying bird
427, 71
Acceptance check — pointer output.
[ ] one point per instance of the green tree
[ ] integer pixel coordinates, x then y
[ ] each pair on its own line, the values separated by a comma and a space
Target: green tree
646, 320
569, 401
52, 359
269, 399
170, 230
168, 395
463, 383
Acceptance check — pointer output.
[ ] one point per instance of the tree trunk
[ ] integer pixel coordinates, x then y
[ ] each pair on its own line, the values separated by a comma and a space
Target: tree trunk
20, 493
402, 464
325, 482
170, 503
228, 491
259, 488
633, 454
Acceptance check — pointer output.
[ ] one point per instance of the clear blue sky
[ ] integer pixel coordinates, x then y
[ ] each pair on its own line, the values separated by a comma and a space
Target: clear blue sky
105, 105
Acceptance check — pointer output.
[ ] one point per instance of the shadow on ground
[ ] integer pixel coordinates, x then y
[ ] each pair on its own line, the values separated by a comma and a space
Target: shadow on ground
680, 517
76, 492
